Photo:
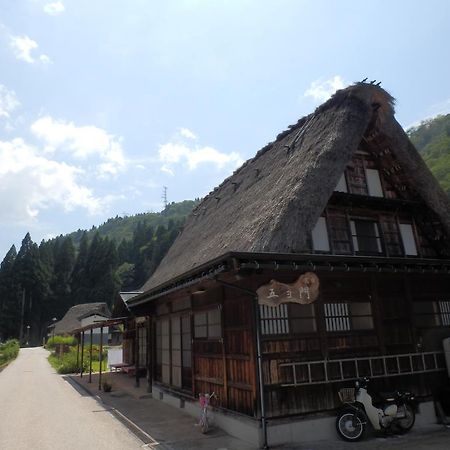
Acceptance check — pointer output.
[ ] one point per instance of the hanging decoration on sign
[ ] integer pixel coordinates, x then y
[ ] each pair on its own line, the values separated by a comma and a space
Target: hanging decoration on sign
304, 291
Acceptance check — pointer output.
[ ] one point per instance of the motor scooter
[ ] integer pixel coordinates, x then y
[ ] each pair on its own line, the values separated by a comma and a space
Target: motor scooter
392, 409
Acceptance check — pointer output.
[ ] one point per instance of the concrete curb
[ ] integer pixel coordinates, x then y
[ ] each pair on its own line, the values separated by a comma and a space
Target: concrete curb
149, 441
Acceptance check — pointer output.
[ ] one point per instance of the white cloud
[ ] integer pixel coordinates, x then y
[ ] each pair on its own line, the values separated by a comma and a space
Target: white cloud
8, 102
30, 183
55, 8
24, 46
45, 59
179, 152
185, 132
82, 142
321, 90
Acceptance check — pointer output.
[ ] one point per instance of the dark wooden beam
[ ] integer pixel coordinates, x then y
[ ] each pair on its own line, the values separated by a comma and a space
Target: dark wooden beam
100, 358
90, 357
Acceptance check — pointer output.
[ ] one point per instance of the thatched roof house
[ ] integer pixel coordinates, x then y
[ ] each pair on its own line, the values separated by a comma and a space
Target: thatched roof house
273, 201
324, 258
72, 320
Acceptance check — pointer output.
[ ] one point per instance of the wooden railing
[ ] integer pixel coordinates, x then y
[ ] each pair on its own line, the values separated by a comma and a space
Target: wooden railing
334, 371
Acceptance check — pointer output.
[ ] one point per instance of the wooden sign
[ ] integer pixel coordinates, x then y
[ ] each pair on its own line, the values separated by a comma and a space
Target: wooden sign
304, 291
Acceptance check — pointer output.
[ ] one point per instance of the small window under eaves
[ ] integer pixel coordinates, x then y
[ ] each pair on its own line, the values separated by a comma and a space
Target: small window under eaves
320, 236
374, 183
409, 243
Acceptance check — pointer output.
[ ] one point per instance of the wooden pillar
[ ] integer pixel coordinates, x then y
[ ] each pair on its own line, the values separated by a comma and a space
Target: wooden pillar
78, 352
90, 357
192, 345
224, 355
149, 354
259, 356
377, 312
414, 333
100, 358
136, 354
82, 354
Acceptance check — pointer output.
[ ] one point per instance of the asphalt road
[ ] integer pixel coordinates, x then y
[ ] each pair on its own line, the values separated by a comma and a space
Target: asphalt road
40, 410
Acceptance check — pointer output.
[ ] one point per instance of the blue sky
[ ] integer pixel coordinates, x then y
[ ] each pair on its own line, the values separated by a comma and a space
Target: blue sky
102, 103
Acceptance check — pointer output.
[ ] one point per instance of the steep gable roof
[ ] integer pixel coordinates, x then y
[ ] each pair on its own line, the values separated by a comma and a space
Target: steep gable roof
271, 203
72, 319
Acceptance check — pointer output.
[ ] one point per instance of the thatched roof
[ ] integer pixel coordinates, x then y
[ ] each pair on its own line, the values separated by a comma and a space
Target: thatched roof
72, 319
272, 202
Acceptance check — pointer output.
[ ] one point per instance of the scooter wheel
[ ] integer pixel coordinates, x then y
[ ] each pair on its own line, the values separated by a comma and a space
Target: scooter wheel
406, 423
350, 425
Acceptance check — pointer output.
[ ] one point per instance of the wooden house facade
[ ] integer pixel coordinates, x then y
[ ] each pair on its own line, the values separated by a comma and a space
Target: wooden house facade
343, 199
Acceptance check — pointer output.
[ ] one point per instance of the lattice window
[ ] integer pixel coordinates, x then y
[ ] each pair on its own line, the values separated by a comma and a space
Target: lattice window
339, 234
391, 235
444, 308
356, 177
337, 317
274, 320
348, 316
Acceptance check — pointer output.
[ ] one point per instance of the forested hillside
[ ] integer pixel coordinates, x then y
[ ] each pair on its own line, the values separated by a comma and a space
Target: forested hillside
432, 139
43, 281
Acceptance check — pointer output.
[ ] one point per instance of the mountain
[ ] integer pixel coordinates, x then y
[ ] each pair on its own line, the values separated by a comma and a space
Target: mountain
119, 228
38, 283
432, 139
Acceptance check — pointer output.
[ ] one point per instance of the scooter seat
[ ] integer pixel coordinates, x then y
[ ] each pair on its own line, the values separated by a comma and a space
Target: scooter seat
389, 396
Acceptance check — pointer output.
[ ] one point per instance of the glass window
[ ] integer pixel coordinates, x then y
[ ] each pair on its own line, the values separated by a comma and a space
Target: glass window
320, 236
366, 237
374, 183
339, 234
287, 318
208, 324
431, 313
345, 316
302, 318
391, 234
409, 243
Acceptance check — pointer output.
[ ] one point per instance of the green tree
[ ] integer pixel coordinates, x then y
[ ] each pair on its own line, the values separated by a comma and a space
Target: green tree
9, 297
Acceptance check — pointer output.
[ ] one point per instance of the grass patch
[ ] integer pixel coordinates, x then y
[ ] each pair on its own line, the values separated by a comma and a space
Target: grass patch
8, 351
67, 363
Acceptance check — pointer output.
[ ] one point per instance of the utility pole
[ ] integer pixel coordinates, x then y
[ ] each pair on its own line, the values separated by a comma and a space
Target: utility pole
164, 196
21, 316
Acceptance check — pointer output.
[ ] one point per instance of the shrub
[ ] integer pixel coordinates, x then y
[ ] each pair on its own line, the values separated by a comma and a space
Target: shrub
55, 340
67, 362
8, 351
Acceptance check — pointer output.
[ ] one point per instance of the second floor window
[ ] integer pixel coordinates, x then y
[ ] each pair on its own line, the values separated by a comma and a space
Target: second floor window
347, 316
431, 313
366, 237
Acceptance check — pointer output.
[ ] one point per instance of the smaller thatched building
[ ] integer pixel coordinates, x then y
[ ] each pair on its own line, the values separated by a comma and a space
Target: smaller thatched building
323, 258
79, 316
